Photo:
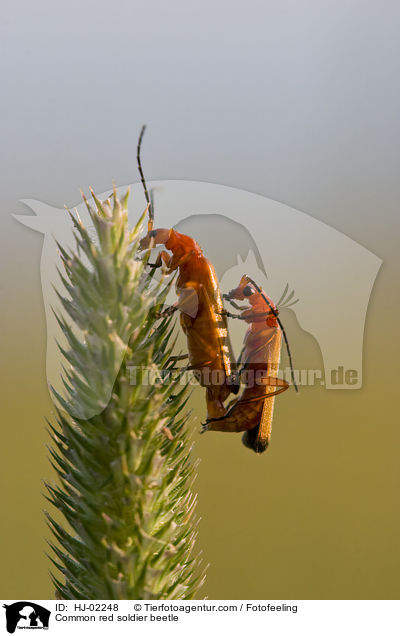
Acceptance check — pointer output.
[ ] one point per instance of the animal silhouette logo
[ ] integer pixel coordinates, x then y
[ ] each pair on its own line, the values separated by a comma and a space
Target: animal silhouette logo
331, 274
26, 615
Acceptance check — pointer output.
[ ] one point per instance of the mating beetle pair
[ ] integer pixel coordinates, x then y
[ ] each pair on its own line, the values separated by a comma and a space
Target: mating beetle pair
204, 322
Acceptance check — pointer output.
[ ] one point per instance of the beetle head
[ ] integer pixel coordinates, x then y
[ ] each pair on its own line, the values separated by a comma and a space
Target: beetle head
154, 237
244, 290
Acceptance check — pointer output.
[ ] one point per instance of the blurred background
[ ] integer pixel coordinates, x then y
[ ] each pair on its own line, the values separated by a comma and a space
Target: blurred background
298, 101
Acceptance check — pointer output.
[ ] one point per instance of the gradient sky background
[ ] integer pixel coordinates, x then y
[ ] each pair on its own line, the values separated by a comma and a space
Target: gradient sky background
297, 100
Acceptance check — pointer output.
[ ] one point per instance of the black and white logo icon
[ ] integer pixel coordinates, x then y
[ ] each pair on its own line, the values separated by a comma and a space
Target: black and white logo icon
26, 615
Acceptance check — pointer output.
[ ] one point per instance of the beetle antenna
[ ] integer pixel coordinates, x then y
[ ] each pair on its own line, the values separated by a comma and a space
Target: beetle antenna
146, 192
260, 291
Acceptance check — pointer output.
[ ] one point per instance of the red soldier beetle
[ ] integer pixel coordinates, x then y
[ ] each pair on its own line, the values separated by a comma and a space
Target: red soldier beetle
252, 412
202, 315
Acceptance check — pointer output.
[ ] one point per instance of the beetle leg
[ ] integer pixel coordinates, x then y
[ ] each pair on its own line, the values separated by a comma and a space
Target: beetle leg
215, 408
167, 312
245, 413
235, 305
157, 263
268, 381
250, 317
163, 258
229, 314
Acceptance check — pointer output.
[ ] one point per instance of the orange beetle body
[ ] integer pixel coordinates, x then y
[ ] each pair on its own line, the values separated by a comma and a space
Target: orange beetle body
252, 412
202, 315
